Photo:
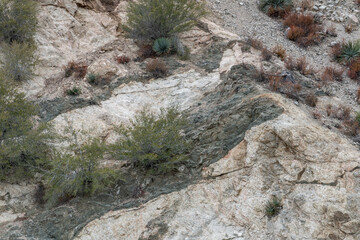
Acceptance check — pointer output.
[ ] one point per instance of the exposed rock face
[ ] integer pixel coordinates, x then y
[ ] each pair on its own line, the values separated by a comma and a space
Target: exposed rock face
314, 172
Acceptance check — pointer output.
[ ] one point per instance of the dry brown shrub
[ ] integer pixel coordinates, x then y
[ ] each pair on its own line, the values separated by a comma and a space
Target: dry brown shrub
255, 43
122, 59
280, 51
77, 69
311, 100
157, 68
354, 70
332, 74
266, 54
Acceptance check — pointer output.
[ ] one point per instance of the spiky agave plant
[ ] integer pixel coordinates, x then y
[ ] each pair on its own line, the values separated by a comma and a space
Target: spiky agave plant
278, 5
350, 51
162, 45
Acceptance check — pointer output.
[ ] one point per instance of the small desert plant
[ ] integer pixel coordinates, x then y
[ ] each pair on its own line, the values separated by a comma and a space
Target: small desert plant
354, 69
280, 51
76, 171
146, 51
306, 4
332, 74
162, 46
150, 20
335, 51
350, 51
273, 207
122, 59
75, 91
255, 43
153, 143
303, 29
331, 31
19, 61
77, 69
92, 78
157, 68
311, 100
349, 28
266, 54
276, 8
18, 21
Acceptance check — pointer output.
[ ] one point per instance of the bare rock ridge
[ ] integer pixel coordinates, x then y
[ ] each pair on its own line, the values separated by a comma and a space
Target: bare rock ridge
250, 144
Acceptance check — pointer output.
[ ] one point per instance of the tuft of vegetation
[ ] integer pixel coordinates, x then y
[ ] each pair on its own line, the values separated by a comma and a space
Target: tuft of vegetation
255, 43
311, 100
332, 74
19, 61
18, 21
75, 91
77, 171
303, 29
162, 46
122, 59
349, 51
157, 68
153, 144
182, 51
276, 8
23, 141
273, 207
266, 54
77, 69
146, 51
92, 78
150, 20
354, 69
280, 52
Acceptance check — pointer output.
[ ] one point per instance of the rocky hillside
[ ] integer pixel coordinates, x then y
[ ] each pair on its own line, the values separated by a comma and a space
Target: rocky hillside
266, 163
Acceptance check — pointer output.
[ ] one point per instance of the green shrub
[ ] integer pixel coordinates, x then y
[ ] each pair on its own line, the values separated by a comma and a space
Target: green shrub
76, 172
18, 20
75, 91
350, 51
153, 19
153, 143
162, 45
19, 61
273, 207
24, 143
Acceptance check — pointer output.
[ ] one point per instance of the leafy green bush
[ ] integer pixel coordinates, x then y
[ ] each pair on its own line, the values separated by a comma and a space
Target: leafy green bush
24, 144
19, 61
153, 143
162, 45
77, 172
17, 20
153, 19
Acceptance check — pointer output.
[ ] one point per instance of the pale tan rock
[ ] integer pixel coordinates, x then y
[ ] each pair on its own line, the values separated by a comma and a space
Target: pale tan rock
311, 169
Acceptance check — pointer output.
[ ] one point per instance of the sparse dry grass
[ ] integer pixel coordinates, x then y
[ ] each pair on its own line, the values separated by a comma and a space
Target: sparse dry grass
280, 51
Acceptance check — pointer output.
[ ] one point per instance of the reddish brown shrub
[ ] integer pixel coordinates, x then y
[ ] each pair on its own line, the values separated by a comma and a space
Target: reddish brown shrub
146, 51
358, 95
274, 82
280, 52
157, 68
303, 29
354, 70
122, 59
329, 110
349, 28
303, 66
332, 74
336, 51
316, 115
311, 100
290, 64
78, 70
